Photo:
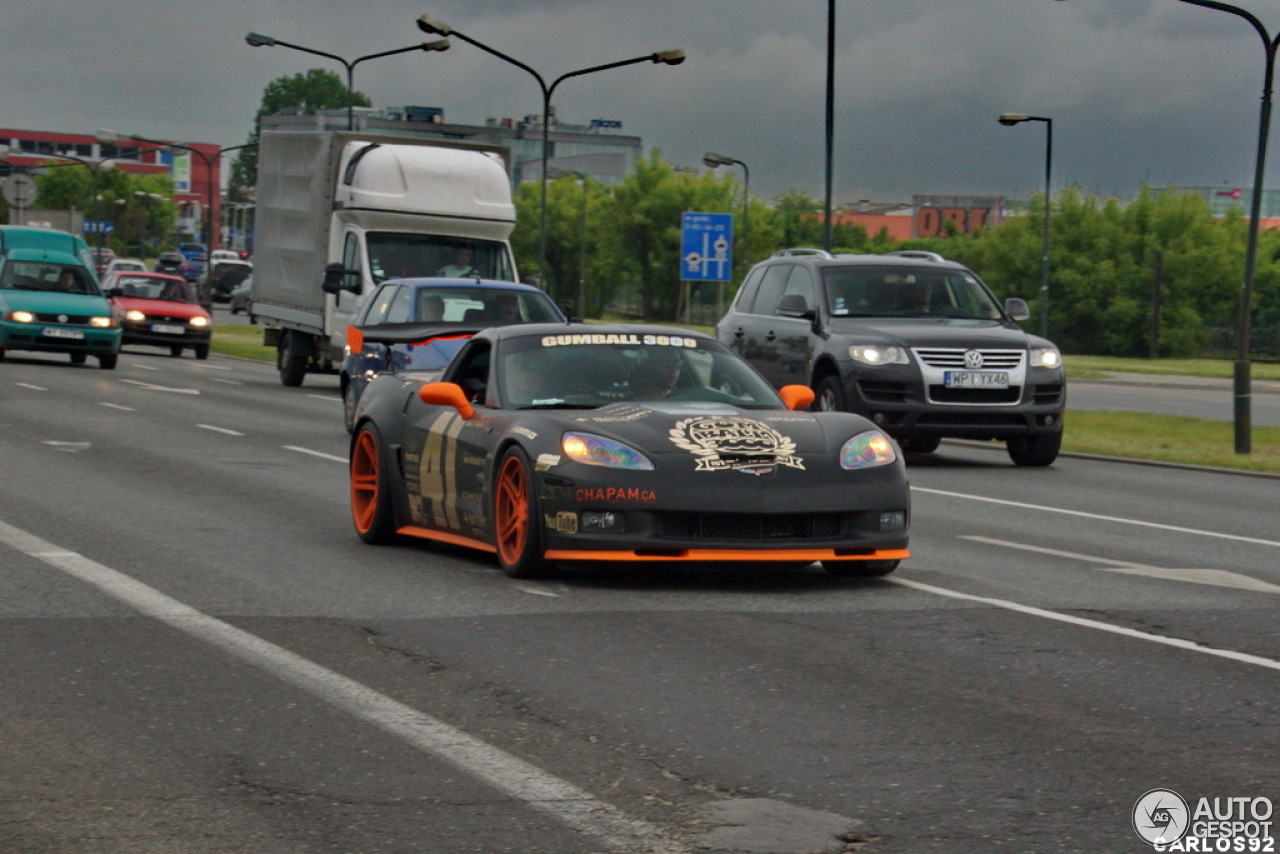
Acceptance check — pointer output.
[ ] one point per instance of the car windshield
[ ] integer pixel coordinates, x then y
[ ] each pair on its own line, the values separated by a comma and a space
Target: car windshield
576, 371
399, 256
47, 276
146, 287
898, 291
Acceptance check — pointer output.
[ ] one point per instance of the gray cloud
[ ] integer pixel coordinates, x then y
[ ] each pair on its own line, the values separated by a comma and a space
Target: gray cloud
1139, 90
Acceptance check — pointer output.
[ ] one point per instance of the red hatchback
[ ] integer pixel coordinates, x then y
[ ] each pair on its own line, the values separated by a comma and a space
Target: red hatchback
158, 310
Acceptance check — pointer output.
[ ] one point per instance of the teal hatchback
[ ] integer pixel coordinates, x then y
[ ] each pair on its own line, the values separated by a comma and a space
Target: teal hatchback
49, 298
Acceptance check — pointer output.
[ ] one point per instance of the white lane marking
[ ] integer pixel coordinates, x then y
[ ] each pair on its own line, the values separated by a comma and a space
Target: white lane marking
143, 367
1192, 646
322, 456
575, 807
32, 387
1118, 519
219, 429
117, 406
325, 397
536, 591
225, 381
71, 447
153, 387
1214, 577
210, 367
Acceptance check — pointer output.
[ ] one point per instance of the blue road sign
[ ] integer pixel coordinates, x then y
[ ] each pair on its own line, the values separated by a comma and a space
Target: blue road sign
706, 247
93, 226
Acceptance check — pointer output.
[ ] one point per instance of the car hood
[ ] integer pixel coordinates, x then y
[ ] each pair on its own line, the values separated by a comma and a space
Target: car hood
159, 306
931, 332
50, 302
716, 431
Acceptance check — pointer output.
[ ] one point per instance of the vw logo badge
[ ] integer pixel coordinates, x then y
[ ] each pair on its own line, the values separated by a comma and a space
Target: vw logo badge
972, 359
62, 318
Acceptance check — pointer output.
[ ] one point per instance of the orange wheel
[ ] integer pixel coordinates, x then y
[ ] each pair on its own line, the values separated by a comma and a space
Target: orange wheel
515, 518
370, 490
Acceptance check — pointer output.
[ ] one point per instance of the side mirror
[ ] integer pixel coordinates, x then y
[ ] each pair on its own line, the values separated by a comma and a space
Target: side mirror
1017, 308
115, 292
794, 305
334, 279
796, 396
447, 394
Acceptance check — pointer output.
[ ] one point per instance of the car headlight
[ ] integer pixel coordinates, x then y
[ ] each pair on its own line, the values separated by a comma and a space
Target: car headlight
200, 321
1046, 357
872, 354
867, 450
20, 316
101, 322
135, 315
599, 451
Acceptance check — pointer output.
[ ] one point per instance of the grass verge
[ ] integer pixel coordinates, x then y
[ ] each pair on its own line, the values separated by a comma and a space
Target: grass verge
241, 340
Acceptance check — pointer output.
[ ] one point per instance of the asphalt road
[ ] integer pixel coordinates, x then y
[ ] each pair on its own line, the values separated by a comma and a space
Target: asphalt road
200, 656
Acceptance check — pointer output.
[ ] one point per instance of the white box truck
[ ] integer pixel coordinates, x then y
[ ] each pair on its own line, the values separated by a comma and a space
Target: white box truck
340, 211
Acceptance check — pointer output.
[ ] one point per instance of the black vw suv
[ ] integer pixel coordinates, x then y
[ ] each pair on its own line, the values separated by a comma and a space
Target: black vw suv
914, 342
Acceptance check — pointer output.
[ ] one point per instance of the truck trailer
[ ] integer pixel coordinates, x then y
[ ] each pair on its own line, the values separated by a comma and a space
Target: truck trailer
356, 208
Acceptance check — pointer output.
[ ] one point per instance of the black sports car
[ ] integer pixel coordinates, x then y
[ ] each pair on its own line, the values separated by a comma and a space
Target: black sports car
545, 443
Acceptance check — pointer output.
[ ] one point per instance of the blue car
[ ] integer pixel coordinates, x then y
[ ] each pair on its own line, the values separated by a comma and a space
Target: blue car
458, 306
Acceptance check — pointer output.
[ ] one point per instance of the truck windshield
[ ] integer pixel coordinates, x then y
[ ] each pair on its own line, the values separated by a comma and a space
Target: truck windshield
397, 256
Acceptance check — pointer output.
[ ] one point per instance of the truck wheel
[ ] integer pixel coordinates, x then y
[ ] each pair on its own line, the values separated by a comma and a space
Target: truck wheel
830, 396
292, 361
1040, 449
859, 568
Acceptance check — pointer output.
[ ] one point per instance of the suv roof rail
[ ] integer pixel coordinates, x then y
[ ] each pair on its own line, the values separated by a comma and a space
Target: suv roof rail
919, 253
821, 253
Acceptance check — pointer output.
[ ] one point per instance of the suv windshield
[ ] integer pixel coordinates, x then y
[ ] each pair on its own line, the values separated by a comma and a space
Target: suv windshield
398, 256
899, 291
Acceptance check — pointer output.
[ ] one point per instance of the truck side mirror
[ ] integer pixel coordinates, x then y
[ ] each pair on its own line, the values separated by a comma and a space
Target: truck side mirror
335, 276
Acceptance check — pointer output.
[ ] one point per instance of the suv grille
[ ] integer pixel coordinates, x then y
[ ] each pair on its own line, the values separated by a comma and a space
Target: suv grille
953, 359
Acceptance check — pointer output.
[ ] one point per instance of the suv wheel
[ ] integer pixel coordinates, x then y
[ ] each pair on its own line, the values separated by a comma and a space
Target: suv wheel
920, 444
1040, 449
829, 396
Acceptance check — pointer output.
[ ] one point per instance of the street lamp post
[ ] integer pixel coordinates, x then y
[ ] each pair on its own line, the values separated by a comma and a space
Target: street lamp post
428, 24
711, 160
259, 40
1010, 119
1243, 367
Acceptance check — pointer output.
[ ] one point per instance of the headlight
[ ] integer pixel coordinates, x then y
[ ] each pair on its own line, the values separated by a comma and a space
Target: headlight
20, 317
1046, 357
599, 451
200, 321
867, 450
101, 322
135, 315
871, 354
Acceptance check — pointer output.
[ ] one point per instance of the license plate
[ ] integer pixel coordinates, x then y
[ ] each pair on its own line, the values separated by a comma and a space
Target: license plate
976, 379
166, 329
57, 332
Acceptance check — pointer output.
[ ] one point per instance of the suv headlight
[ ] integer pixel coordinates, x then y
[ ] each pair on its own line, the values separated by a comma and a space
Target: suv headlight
1046, 357
872, 354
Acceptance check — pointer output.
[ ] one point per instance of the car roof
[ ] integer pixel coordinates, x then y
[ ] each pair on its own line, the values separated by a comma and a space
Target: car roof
902, 258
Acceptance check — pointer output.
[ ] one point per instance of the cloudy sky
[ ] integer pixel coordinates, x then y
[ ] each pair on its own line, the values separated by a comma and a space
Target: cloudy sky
1159, 91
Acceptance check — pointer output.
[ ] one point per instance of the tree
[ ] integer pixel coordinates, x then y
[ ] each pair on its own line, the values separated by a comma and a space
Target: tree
305, 93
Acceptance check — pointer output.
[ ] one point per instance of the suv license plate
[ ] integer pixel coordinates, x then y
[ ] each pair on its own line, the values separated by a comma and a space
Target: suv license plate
975, 379
57, 332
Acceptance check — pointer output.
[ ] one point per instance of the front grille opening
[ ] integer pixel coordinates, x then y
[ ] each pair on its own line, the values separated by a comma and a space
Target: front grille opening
765, 527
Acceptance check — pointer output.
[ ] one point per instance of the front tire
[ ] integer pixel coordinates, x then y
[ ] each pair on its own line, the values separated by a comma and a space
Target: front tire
371, 499
829, 396
79, 358
108, 362
202, 351
920, 444
859, 568
1040, 449
175, 350
516, 518
349, 407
